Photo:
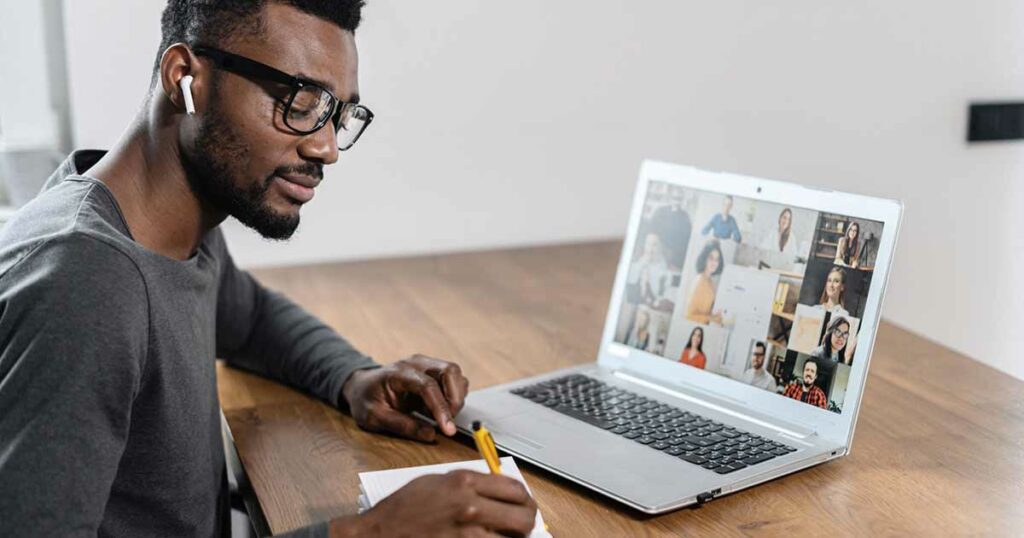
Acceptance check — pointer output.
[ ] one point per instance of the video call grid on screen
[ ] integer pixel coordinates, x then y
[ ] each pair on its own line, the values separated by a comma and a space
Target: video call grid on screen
763, 293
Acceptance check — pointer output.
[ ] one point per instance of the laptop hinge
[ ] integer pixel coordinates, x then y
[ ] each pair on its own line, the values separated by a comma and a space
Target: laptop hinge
792, 430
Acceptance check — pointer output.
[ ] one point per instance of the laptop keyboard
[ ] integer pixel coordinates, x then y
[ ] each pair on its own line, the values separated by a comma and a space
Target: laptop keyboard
685, 435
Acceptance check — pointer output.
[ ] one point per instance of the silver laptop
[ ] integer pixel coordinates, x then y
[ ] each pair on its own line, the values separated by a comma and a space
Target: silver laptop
735, 348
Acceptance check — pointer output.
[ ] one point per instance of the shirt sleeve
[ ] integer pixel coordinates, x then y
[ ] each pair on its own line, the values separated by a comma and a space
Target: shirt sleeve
711, 224
73, 342
262, 331
735, 229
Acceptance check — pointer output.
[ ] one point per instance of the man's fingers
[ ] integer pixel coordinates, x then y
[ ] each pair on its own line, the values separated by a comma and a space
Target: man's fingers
448, 375
455, 387
416, 382
497, 487
500, 503
510, 519
383, 418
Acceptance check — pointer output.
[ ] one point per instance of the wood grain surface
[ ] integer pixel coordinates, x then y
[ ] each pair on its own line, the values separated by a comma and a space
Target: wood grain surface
939, 448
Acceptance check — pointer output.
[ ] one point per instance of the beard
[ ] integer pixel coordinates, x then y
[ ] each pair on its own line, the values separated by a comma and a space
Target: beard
211, 173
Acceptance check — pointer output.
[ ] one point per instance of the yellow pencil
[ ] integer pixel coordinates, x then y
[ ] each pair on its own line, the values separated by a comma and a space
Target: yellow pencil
485, 444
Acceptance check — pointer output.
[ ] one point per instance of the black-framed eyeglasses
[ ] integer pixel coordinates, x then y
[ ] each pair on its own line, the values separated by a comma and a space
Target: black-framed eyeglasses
308, 107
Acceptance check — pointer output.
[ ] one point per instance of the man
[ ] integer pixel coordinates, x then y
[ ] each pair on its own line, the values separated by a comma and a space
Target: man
756, 375
117, 292
671, 223
723, 224
807, 391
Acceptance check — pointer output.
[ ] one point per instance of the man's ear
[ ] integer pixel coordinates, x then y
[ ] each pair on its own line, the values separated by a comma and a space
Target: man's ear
177, 63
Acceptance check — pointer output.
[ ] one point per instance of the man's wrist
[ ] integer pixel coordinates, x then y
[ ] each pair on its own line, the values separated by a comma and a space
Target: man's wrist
349, 386
350, 527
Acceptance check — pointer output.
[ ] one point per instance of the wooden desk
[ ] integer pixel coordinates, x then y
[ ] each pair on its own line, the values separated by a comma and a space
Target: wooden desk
939, 447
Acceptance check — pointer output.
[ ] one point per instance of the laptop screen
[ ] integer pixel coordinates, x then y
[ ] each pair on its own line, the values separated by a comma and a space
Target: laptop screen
765, 294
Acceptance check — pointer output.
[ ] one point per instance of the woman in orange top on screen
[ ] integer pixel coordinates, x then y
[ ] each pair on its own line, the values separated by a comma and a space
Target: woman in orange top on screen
694, 353
702, 292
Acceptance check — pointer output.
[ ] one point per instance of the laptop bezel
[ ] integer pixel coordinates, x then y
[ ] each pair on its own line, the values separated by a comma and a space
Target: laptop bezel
831, 426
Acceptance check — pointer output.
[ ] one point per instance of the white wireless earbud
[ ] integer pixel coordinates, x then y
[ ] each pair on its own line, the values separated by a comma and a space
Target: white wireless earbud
186, 92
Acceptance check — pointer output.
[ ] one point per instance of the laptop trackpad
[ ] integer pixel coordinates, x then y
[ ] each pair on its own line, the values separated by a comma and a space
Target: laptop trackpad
588, 453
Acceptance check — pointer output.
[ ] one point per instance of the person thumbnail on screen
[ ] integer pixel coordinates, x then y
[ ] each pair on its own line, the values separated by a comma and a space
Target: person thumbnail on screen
702, 290
722, 225
780, 240
756, 374
848, 250
804, 387
832, 293
838, 344
693, 353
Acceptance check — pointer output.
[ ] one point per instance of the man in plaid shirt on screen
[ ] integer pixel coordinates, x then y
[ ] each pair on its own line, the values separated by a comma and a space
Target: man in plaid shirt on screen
807, 391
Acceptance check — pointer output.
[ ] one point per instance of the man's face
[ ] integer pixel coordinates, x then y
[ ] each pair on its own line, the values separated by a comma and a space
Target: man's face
243, 160
758, 358
727, 206
810, 373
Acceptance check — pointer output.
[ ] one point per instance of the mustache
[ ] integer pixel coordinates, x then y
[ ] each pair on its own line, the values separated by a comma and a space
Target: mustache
305, 169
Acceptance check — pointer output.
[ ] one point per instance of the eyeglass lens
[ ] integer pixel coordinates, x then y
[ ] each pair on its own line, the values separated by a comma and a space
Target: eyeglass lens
311, 107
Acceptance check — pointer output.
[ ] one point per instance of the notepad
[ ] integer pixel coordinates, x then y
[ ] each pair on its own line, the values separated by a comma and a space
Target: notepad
375, 486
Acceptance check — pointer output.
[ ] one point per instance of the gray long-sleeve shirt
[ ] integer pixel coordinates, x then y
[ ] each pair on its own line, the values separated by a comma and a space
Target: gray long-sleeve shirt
109, 415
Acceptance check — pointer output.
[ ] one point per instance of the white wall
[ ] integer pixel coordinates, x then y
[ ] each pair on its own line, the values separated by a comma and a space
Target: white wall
502, 123
27, 121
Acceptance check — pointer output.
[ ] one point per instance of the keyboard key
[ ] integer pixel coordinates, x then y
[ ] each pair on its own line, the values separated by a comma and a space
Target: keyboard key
754, 460
674, 451
694, 459
660, 445
732, 467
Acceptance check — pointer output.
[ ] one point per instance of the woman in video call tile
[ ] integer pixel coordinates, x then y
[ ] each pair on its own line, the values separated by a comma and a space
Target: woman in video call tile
780, 239
642, 336
848, 251
693, 355
832, 294
702, 291
834, 345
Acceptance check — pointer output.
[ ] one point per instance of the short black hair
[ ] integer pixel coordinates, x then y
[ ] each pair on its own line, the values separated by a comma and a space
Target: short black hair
702, 259
761, 345
215, 23
812, 360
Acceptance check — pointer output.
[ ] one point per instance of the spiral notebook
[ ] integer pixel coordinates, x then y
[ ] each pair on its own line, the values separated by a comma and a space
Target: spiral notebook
376, 485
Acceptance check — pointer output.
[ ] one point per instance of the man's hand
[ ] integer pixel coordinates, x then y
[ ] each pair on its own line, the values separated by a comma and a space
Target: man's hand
381, 399
460, 503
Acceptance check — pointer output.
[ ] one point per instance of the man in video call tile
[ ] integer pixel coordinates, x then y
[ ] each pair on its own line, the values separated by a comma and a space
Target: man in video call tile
723, 224
755, 375
807, 391
672, 224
